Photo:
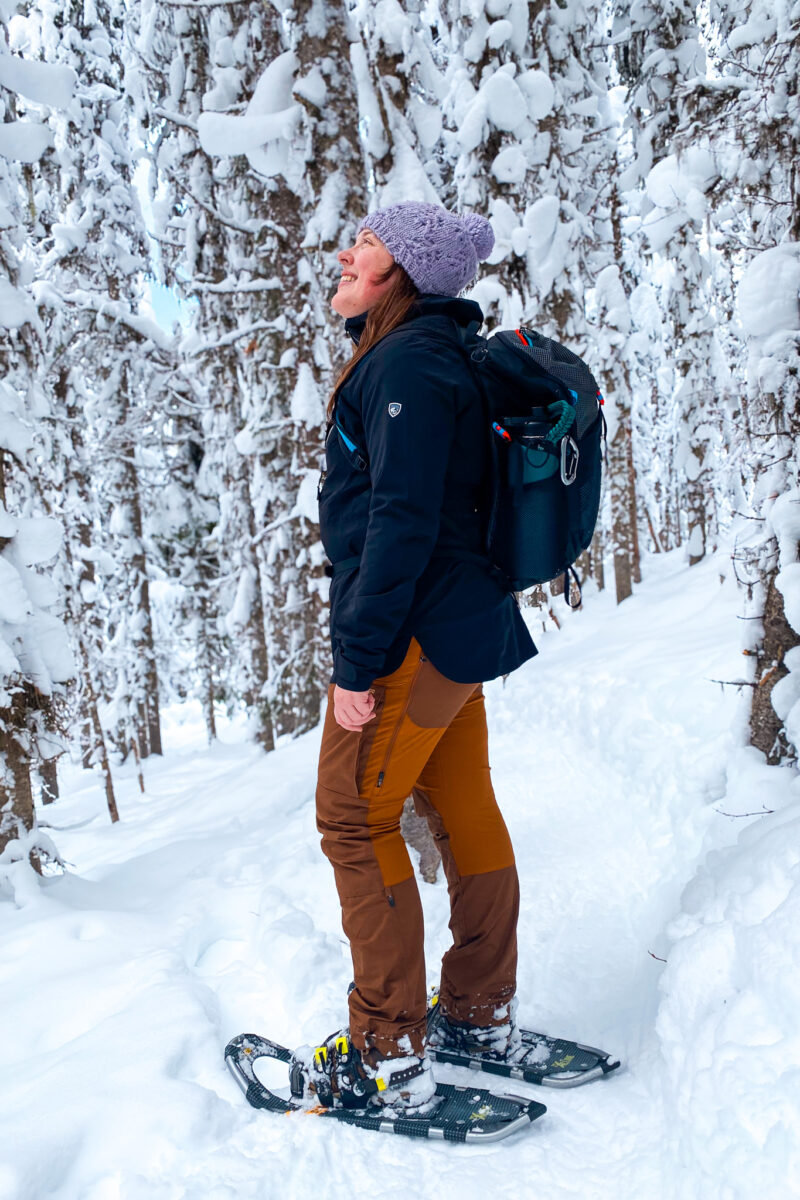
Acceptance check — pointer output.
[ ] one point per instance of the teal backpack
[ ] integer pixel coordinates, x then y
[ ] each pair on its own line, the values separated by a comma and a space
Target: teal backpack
547, 436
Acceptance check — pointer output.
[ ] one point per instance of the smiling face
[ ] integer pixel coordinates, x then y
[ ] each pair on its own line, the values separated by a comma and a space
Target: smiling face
362, 283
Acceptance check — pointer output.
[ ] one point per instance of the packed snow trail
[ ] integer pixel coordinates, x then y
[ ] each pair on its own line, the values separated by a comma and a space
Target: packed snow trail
210, 910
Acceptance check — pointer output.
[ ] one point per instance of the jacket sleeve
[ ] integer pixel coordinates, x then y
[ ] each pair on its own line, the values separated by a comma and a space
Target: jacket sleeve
408, 456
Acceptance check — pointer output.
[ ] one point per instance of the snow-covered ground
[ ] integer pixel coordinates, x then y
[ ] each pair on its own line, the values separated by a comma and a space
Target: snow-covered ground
210, 910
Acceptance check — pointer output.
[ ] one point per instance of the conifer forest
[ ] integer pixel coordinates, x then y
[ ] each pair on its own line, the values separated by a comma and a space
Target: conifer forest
206, 159
177, 180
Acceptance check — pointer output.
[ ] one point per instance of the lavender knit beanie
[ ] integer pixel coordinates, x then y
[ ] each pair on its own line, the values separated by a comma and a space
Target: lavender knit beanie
438, 249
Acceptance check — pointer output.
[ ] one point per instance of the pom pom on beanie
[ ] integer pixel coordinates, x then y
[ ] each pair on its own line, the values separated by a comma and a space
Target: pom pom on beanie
438, 249
481, 233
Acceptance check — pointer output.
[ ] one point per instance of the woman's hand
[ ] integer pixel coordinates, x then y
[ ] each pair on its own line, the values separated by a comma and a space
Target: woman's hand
352, 709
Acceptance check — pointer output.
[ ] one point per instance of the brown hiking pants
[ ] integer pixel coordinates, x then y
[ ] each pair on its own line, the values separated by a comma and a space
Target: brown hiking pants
428, 739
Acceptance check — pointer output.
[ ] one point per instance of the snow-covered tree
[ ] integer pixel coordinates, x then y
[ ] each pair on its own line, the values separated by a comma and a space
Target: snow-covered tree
613, 333
101, 351
769, 304
533, 141
259, 165
182, 533
658, 53
752, 110
34, 655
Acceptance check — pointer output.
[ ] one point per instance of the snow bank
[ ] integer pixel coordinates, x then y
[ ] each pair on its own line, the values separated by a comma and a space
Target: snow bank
728, 1021
209, 910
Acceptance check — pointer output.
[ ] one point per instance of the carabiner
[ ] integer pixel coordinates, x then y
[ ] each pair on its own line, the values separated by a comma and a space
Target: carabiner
569, 460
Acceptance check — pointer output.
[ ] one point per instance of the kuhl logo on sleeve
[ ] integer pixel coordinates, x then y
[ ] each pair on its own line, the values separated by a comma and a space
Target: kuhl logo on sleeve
394, 409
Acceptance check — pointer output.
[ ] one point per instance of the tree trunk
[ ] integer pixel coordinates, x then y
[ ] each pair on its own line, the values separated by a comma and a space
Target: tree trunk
17, 815
137, 758
621, 507
597, 550
633, 515
697, 507
584, 565
256, 699
211, 723
81, 567
207, 670
766, 728
48, 775
150, 724
624, 532
417, 833
99, 739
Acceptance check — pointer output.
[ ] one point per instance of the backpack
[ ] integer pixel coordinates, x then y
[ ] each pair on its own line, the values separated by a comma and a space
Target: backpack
546, 429
547, 435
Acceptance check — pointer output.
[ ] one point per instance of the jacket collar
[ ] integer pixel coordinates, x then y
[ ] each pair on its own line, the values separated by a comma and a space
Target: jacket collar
463, 311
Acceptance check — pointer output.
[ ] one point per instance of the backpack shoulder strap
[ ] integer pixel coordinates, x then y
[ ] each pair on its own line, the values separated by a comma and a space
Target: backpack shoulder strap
475, 348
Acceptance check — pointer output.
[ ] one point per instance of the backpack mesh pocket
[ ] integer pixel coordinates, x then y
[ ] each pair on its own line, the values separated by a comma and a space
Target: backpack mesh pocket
541, 525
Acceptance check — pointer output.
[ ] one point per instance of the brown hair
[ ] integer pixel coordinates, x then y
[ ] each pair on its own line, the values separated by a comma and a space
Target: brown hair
389, 312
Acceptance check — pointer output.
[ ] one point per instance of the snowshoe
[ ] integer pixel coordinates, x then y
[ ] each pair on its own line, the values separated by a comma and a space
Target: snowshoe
514, 1053
456, 1114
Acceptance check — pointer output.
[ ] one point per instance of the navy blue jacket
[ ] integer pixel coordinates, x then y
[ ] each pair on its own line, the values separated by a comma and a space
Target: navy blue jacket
406, 477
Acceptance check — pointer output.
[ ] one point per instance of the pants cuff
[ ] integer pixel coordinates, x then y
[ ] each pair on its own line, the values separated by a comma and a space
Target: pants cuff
477, 1010
374, 1044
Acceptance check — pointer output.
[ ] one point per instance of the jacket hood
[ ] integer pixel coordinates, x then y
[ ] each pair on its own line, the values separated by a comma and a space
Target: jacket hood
463, 311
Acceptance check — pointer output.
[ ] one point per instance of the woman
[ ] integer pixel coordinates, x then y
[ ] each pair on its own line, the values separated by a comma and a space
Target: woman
418, 621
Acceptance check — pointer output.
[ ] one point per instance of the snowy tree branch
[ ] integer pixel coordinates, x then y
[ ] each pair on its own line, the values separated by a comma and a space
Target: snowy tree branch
146, 328
759, 813
273, 525
204, 3
175, 119
235, 336
232, 288
252, 227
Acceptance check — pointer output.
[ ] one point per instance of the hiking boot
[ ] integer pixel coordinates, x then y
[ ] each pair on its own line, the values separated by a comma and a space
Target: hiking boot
499, 1043
337, 1075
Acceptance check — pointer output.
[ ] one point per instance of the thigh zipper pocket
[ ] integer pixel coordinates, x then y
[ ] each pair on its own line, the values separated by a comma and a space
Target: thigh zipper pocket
398, 723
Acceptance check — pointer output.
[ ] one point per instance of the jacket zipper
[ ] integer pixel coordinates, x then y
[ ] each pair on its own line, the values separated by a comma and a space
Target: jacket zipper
398, 723
323, 475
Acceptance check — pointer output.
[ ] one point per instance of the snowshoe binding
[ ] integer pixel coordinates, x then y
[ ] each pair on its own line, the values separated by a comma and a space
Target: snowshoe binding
337, 1075
492, 1043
